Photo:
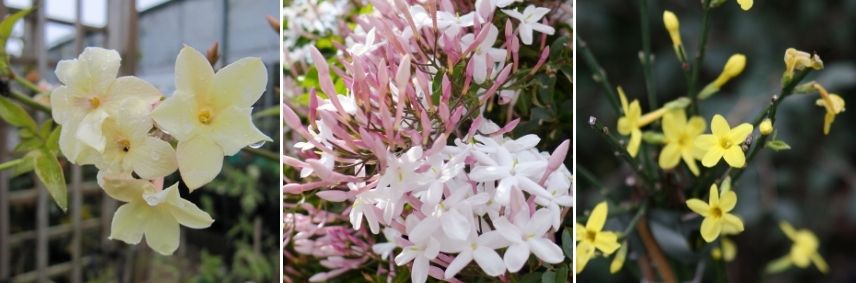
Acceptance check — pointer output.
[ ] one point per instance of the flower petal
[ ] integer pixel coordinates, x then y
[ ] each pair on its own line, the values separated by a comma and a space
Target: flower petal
732, 223
199, 161
712, 157
740, 133
539, 223
710, 229
460, 261
525, 34
125, 189
419, 274
152, 158
186, 212
89, 130
126, 223
193, 73
719, 126
735, 157
727, 201
162, 231
489, 261
670, 156
136, 88
515, 256
233, 129
584, 252
241, 83
455, 225
606, 242
177, 115
546, 250
698, 206
598, 217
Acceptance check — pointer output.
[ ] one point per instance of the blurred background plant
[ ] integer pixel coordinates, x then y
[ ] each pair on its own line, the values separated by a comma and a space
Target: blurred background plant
811, 185
39, 242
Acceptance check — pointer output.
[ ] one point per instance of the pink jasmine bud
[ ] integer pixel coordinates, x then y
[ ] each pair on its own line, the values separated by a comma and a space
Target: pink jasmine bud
297, 188
293, 162
313, 106
556, 159
327, 174
544, 55
482, 34
509, 31
500, 80
447, 88
508, 127
515, 50
474, 126
438, 145
427, 127
324, 78
334, 195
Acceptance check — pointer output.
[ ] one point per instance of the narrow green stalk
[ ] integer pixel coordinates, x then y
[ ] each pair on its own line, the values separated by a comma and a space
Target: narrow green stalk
588, 176
26, 100
600, 75
24, 82
10, 164
620, 151
262, 153
699, 59
632, 225
647, 64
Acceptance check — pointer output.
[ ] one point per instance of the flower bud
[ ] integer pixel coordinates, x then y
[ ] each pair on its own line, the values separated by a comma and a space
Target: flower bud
735, 65
673, 27
745, 4
766, 127
796, 60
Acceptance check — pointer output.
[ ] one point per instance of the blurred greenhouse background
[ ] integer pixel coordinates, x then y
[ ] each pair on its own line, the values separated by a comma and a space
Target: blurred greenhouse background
812, 186
40, 243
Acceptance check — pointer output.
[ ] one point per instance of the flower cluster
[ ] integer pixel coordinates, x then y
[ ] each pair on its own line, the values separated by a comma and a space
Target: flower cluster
122, 126
408, 149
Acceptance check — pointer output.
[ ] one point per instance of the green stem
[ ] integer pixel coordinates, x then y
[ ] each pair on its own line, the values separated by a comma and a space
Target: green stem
10, 164
26, 83
23, 98
599, 75
588, 176
620, 151
699, 59
632, 225
647, 65
769, 112
262, 153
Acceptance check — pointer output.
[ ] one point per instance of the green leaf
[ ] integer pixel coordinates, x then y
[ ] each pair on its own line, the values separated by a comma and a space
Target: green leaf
778, 145
531, 277
563, 273
567, 242
50, 173
437, 87
6, 27
45, 129
52, 142
16, 116
548, 277
26, 165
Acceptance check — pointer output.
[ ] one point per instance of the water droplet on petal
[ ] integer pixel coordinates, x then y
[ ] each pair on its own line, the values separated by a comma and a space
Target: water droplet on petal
257, 144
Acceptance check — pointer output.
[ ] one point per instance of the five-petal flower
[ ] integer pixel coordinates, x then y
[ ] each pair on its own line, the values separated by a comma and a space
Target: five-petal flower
716, 213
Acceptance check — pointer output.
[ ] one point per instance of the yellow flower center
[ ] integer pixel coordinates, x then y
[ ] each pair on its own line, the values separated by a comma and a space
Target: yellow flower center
725, 142
125, 145
684, 140
716, 212
205, 116
591, 235
94, 102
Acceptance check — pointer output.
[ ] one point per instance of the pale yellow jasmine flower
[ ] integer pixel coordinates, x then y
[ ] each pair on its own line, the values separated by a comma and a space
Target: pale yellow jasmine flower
158, 214
796, 60
717, 219
733, 67
591, 237
210, 113
833, 104
680, 136
130, 148
633, 120
724, 143
766, 127
803, 252
90, 94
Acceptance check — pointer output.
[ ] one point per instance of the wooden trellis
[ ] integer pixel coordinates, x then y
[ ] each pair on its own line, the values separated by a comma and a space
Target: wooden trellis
121, 34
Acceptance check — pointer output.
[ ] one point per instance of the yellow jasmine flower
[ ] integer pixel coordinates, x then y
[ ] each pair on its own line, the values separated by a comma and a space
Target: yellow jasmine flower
803, 252
833, 104
717, 219
766, 127
210, 114
728, 250
745, 4
733, 67
796, 60
151, 211
90, 94
591, 237
130, 148
724, 142
679, 137
633, 120
619, 259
